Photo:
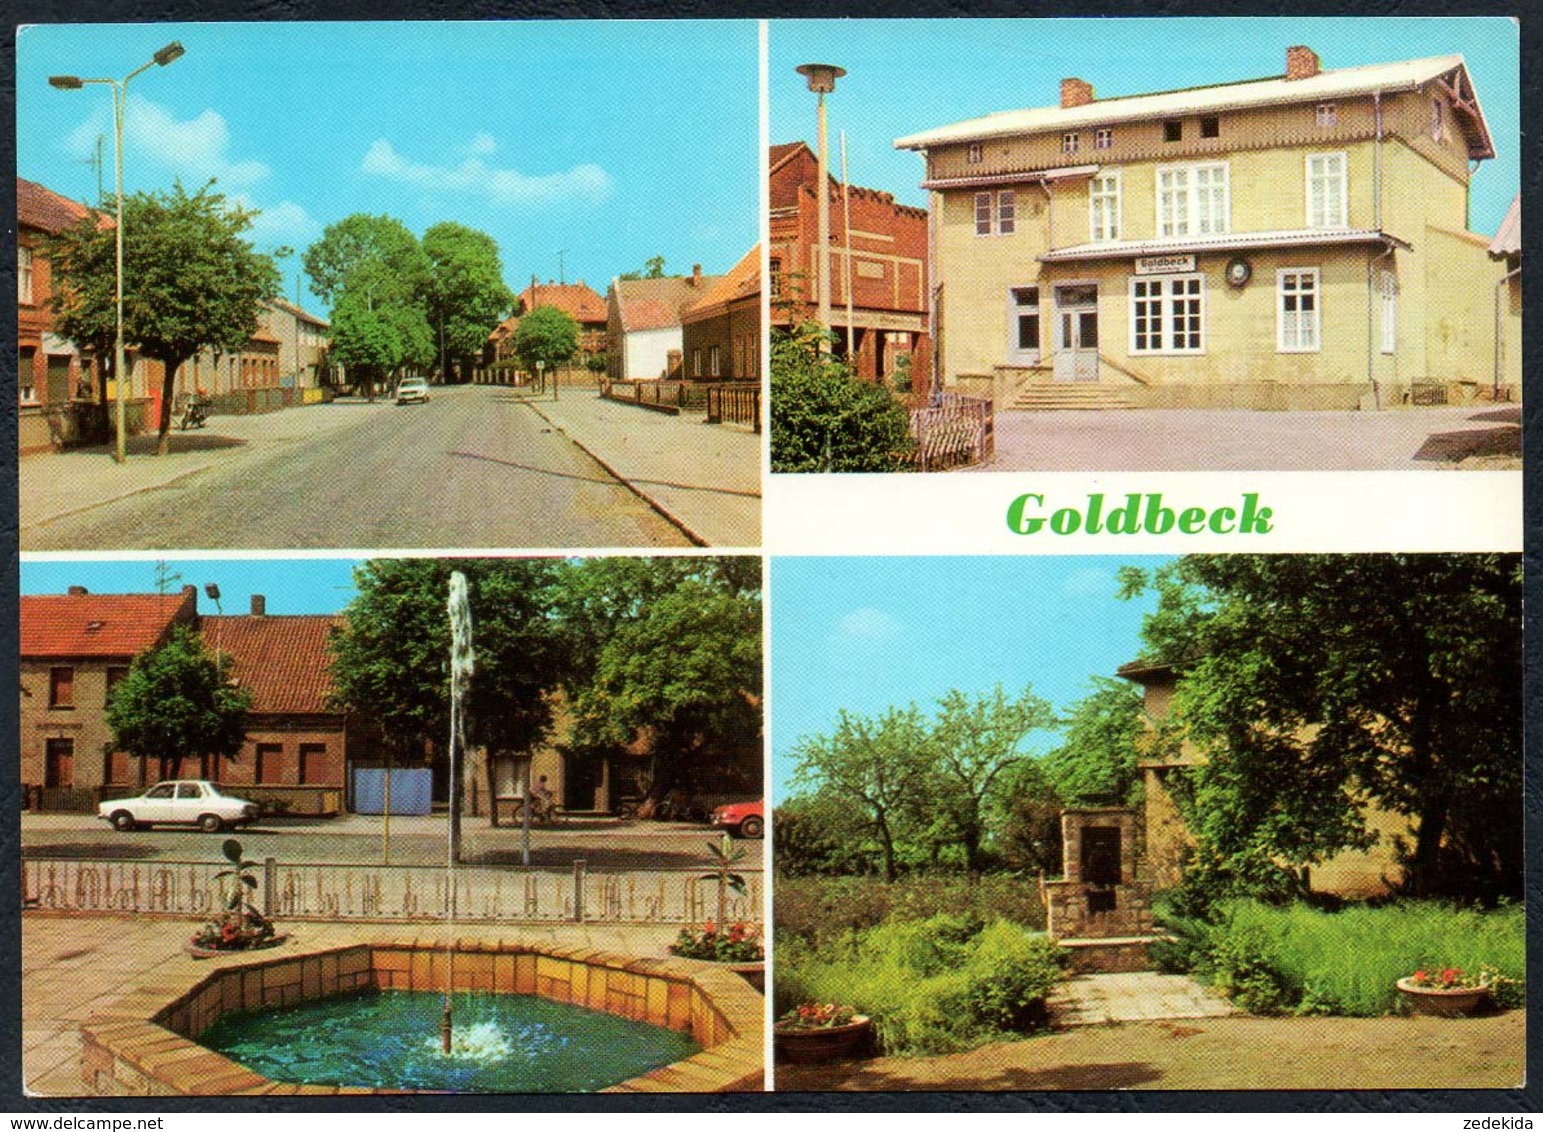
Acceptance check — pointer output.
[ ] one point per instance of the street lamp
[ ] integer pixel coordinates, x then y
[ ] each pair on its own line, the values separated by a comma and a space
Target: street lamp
171, 52
822, 80
284, 251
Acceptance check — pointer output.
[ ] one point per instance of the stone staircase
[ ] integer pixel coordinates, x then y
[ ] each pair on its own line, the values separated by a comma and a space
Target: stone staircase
1040, 396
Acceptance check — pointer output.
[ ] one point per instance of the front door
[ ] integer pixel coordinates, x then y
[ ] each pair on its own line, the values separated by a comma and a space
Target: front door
59, 763
1076, 333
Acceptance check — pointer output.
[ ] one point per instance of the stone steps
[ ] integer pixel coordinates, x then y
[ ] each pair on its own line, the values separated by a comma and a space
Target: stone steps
1042, 396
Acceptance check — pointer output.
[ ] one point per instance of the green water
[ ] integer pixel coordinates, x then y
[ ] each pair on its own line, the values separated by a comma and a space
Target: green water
391, 1040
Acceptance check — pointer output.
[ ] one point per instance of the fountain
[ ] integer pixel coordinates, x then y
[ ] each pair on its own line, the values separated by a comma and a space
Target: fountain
462, 665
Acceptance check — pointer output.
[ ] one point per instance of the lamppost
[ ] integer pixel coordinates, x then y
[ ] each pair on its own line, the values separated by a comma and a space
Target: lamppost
284, 251
172, 51
822, 80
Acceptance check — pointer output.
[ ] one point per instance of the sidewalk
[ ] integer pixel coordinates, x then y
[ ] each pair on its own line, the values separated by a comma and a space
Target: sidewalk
56, 484
706, 479
75, 966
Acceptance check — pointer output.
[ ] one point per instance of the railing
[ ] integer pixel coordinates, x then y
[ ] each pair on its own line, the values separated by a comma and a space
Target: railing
953, 431
738, 403
353, 891
663, 396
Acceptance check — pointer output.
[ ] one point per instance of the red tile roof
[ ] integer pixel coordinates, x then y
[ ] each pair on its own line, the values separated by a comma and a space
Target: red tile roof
655, 304
742, 281
579, 302
37, 207
284, 661
98, 625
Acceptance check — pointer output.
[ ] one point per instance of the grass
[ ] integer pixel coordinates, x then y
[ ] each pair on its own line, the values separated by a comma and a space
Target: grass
819, 908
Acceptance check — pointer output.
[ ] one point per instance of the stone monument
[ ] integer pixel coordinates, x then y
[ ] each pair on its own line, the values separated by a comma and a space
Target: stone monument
1100, 909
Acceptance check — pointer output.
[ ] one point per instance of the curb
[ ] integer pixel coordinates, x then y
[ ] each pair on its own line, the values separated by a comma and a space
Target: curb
664, 512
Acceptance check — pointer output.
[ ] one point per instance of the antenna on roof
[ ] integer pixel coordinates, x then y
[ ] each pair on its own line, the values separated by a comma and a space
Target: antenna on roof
164, 577
561, 278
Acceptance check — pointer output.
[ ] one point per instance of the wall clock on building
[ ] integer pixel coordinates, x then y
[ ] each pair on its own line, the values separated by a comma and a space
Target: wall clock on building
1239, 271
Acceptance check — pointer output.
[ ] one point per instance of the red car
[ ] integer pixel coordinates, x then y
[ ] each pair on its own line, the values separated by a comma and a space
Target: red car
741, 819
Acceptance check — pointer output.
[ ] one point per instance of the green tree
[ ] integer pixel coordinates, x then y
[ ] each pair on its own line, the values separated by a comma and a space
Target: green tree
465, 293
191, 281
976, 741
1317, 683
545, 335
1096, 761
880, 767
379, 325
176, 703
825, 420
653, 268
361, 239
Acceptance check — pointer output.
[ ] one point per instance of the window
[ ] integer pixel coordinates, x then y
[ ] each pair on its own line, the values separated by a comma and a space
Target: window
712, 361
775, 265
1173, 130
59, 763
23, 274
26, 380
1104, 207
976, 155
1437, 118
313, 764
1296, 297
61, 687
1327, 115
1192, 200
1167, 315
1388, 292
1210, 127
1023, 313
269, 767
1070, 142
696, 363
996, 214
1103, 138
1326, 192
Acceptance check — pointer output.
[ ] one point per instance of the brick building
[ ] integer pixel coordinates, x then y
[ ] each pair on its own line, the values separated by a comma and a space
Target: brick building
578, 301
721, 331
888, 273
644, 324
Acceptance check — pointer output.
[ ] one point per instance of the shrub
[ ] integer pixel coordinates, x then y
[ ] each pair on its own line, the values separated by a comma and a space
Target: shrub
817, 908
825, 420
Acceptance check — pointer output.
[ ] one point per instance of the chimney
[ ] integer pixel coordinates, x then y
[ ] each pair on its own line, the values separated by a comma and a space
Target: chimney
1075, 92
78, 591
190, 591
1301, 62
259, 605
696, 274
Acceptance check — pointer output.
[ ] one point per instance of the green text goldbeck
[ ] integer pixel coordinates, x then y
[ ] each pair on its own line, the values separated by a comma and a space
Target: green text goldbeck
1140, 514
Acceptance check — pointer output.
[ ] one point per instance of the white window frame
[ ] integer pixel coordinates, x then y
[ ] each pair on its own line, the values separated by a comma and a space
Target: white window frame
984, 214
976, 153
1110, 212
1308, 337
24, 271
1103, 138
696, 361
1015, 309
714, 360
1388, 288
1337, 184
1168, 293
1184, 218
1327, 115
1071, 142
996, 214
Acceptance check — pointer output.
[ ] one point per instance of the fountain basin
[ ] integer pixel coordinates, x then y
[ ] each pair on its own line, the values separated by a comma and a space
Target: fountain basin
147, 1044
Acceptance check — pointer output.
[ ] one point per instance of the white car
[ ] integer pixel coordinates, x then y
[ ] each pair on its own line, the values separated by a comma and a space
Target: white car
186, 802
412, 389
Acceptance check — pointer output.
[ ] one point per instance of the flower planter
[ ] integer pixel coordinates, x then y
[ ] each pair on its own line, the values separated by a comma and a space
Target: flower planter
1442, 1003
752, 973
198, 952
823, 1043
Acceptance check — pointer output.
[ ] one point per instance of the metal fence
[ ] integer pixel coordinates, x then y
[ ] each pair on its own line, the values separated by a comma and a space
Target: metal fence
352, 891
953, 430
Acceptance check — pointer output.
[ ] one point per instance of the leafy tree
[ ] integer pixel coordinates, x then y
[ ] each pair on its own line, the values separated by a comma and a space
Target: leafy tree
191, 281
465, 294
359, 239
176, 703
1028, 824
1316, 683
545, 335
877, 766
976, 740
825, 420
653, 268
1096, 762
820, 835
378, 325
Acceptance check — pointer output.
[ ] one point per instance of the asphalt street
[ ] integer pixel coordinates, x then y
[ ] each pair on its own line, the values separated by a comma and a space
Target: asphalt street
471, 468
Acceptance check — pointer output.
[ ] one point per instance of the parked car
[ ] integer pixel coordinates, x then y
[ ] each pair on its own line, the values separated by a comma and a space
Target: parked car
741, 819
185, 802
412, 389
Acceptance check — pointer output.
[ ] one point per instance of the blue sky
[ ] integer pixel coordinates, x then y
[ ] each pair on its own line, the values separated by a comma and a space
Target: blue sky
291, 585
904, 76
865, 634
610, 141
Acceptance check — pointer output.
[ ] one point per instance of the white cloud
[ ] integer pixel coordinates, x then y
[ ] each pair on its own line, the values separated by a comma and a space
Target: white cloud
194, 149
1090, 582
588, 183
483, 143
283, 223
868, 624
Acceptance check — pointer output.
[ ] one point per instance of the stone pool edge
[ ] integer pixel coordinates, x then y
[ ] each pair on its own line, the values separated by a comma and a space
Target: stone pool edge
146, 1044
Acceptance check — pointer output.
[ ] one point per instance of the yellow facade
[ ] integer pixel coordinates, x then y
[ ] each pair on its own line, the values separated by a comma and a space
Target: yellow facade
1401, 295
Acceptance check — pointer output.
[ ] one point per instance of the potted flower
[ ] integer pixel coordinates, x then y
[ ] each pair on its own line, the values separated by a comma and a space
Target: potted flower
240, 927
738, 944
1449, 992
813, 1032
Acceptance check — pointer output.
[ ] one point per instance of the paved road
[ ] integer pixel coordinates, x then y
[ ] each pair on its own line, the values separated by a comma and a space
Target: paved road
604, 843
472, 468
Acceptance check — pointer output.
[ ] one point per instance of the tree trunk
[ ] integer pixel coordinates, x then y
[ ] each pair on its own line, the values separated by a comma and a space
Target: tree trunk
168, 392
888, 845
1421, 877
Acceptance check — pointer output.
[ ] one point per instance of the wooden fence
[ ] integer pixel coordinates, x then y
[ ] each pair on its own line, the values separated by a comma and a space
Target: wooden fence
738, 403
353, 891
953, 430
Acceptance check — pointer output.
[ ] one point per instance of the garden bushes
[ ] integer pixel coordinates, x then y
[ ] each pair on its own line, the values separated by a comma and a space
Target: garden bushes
931, 986
819, 908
